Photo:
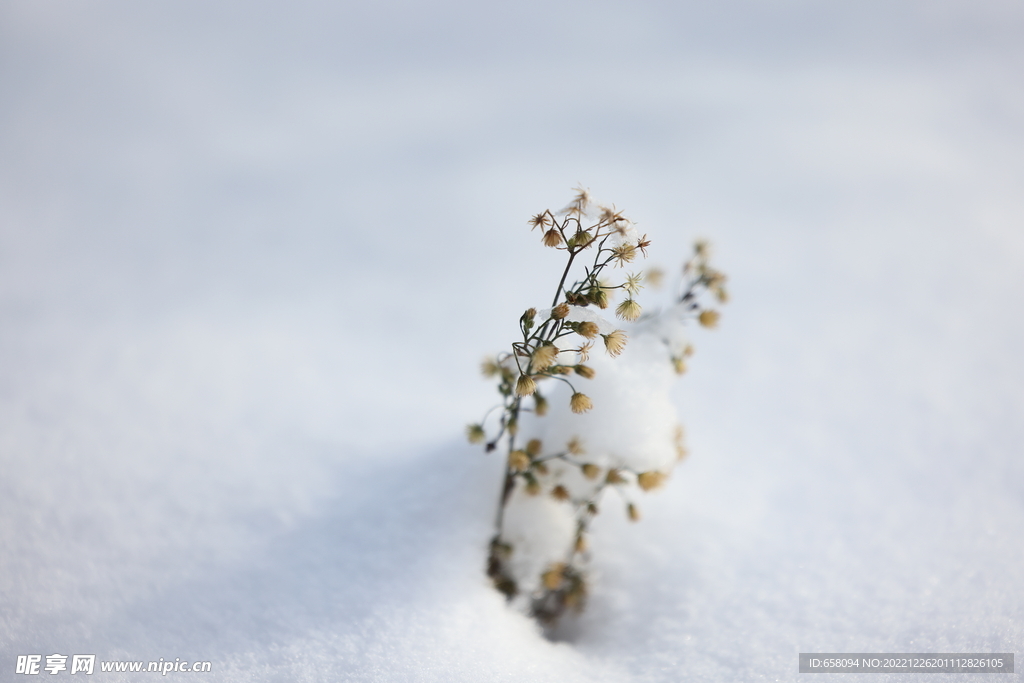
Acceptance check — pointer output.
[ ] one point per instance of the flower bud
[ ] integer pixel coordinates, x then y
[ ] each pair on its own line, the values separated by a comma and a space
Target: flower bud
560, 493
584, 371
588, 329
543, 357
559, 311
615, 342
574, 598
580, 403
527, 318
654, 277
581, 240
552, 578
651, 480
709, 318
628, 310
525, 385
591, 471
540, 404
475, 434
624, 253
633, 512
633, 283
489, 368
518, 460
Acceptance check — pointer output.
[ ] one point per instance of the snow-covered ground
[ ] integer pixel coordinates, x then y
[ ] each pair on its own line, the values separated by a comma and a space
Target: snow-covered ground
252, 253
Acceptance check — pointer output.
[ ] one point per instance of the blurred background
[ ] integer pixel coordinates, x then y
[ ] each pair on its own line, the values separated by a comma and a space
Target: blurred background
251, 255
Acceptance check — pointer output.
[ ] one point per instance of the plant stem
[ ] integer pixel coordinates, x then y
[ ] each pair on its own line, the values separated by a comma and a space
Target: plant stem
565, 273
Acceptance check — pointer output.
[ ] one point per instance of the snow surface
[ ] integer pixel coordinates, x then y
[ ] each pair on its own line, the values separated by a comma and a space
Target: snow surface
251, 255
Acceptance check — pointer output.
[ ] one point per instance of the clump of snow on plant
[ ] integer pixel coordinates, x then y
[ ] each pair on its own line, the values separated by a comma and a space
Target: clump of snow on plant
632, 428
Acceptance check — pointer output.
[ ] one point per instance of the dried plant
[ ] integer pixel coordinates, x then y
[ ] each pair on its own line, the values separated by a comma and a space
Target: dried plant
564, 449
